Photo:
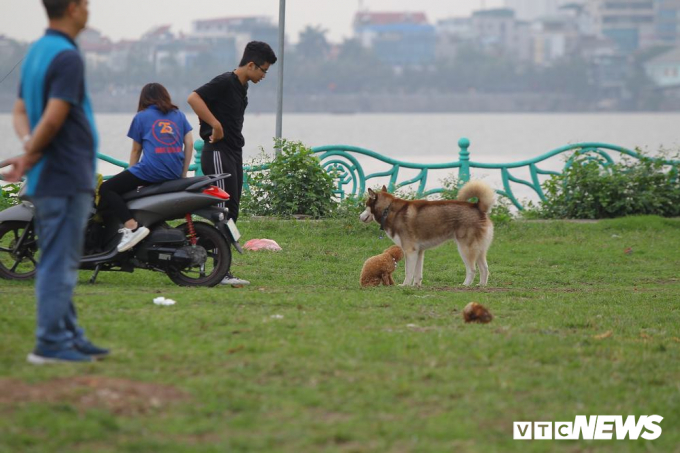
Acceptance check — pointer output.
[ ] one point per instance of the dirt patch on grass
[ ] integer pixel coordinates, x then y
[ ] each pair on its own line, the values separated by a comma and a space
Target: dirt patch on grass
471, 289
582, 221
663, 281
119, 396
328, 417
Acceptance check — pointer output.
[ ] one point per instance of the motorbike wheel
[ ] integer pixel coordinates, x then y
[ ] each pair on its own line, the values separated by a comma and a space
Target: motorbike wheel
17, 264
216, 266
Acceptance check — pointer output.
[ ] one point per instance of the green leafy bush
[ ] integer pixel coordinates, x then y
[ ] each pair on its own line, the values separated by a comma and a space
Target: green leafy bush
8, 195
349, 208
588, 189
294, 183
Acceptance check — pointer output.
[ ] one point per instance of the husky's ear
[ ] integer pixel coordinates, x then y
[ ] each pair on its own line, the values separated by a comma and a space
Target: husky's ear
384, 189
372, 194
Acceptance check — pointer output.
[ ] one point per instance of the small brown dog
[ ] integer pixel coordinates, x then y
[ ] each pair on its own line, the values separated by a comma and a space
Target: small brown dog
378, 269
475, 312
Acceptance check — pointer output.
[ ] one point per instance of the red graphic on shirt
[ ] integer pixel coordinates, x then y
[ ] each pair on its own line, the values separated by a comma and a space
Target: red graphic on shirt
168, 150
166, 132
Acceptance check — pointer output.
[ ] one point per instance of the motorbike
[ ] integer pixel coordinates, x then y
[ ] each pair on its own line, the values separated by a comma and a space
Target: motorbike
196, 252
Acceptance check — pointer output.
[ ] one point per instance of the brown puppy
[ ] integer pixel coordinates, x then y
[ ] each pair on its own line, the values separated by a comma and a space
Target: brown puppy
475, 312
378, 269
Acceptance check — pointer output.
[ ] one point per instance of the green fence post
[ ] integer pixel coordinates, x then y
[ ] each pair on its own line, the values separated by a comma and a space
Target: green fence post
464, 157
198, 146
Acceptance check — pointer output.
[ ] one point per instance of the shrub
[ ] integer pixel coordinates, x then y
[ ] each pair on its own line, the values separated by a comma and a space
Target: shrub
293, 183
588, 189
349, 208
8, 195
406, 193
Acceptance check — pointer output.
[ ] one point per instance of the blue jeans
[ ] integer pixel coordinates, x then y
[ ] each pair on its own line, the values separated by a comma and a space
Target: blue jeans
60, 226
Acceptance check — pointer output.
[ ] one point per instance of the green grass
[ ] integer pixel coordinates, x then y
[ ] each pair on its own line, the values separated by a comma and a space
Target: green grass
388, 369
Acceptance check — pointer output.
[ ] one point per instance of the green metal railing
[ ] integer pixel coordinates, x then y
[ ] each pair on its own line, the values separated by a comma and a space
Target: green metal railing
345, 163
349, 173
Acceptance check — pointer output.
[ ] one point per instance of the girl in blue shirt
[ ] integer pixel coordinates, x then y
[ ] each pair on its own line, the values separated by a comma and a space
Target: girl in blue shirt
162, 145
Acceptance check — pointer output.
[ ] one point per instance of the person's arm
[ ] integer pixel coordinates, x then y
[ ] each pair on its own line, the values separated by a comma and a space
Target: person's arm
50, 123
135, 153
188, 152
201, 109
20, 120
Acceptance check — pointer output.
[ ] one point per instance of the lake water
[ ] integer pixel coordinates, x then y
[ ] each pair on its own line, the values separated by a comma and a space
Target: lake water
424, 138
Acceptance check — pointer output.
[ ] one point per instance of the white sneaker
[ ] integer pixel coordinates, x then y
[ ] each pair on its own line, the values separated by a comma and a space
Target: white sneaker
234, 281
131, 238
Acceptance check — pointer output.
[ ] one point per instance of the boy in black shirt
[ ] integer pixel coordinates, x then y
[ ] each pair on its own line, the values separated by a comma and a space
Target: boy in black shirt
220, 105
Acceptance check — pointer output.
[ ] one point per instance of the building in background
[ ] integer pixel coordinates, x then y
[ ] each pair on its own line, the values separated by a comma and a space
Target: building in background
567, 33
667, 21
664, 69
630, 24
497, 30
398, 38
452, 33
239, 30
533, 9
602, 44
96, 49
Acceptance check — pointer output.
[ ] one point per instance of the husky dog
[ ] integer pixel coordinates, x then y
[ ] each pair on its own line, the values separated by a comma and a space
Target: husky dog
418, 225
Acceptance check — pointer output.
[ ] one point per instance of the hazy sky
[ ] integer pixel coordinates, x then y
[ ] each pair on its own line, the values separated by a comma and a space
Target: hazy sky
129, 19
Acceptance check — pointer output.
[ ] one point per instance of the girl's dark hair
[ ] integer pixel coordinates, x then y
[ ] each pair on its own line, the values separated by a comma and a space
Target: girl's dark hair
155, 94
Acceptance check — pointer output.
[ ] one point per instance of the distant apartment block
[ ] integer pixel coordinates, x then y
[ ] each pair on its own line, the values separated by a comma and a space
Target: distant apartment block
5, 45
217, 41
451, 34
566, 33
630, 24
533, 9
96, 48
398, 38
241, 30
254, 28
668, 21
498, 30
664, 69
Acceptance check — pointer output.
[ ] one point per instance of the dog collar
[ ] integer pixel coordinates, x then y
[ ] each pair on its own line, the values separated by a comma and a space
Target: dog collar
384, 217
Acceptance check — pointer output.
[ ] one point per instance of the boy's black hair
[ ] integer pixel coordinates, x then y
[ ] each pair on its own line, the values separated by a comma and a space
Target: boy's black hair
259, 53
56, 8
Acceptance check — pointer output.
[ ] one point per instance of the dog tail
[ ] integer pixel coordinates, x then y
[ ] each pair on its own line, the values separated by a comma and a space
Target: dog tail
485, 195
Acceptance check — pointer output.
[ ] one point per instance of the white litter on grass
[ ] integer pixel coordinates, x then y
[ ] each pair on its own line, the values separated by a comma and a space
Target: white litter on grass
163, 301
276, 316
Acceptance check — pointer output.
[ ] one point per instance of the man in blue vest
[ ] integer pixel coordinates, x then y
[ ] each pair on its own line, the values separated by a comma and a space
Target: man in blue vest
54, 120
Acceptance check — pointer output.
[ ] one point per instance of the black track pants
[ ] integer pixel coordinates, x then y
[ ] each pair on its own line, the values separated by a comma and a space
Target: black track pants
111, 192
219, 161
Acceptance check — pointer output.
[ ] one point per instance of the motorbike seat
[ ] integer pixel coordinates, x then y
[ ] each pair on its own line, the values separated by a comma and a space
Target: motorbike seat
176, 185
